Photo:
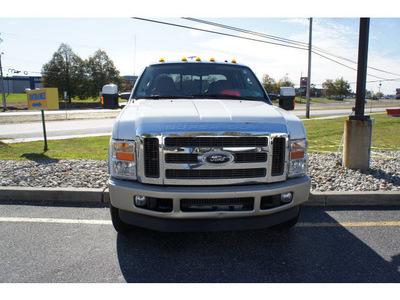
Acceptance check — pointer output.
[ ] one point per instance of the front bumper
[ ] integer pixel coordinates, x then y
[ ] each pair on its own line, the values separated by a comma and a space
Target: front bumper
122, 195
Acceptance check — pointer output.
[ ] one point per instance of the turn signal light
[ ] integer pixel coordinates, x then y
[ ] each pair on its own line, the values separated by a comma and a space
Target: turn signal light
125, 156
297, 155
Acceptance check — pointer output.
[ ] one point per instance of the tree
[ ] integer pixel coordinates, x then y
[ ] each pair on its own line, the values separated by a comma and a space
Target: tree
101, 71
269, 84
285, 82
329, 87
65, 71
379, 95
342, 87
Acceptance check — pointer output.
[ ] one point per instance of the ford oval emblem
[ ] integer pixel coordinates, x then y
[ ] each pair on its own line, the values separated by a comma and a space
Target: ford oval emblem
217, 158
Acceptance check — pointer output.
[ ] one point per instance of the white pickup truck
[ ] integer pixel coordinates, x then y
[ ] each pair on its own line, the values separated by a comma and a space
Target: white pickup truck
200, 147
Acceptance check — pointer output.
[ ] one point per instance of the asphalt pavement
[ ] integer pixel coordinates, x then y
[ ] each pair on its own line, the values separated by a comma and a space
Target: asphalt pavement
71, 244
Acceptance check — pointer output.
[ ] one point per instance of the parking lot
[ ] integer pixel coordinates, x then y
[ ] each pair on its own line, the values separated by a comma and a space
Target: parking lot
79, 244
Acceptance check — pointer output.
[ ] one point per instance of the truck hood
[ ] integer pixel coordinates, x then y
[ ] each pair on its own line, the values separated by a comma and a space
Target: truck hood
204, 115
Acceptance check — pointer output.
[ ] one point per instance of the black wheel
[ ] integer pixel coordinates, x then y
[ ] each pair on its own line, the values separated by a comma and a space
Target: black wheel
289, 224
120, 226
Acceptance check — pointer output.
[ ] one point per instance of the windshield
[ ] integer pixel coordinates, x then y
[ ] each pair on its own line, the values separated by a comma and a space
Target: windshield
202, 80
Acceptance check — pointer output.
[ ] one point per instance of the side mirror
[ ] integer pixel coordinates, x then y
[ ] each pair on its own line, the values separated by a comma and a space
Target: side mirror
109, 96
287, 98
125, 96
273, 97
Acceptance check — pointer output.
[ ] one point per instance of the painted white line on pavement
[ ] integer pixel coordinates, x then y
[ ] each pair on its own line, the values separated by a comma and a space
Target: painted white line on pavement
107, 222
61, 221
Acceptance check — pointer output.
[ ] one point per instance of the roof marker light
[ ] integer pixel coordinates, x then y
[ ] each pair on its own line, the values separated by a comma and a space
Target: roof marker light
212, 59
198, 59
184, 59
233, 61
161, 60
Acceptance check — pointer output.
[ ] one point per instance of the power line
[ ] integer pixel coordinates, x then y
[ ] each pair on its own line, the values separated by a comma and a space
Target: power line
219, 33
250, 32
290, 42
283, 40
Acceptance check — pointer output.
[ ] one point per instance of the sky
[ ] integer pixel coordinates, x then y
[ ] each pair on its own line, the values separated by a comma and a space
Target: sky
30, 37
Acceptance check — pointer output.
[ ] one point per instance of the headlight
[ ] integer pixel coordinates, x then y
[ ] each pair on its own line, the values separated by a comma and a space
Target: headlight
298, 158
122, 159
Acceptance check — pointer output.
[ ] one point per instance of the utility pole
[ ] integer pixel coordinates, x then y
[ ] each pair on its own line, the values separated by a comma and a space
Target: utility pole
2, 85
309, 71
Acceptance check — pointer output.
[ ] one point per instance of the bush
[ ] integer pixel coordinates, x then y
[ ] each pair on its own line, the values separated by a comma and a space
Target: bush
335, 97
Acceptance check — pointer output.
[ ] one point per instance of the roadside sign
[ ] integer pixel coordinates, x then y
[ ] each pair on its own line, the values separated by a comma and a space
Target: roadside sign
43, 99
303, 82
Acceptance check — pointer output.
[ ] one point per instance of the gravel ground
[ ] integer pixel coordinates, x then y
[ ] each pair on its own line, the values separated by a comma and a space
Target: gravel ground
383, 175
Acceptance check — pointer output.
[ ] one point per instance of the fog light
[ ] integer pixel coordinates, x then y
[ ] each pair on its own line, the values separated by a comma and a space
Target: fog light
286, 197
140, 201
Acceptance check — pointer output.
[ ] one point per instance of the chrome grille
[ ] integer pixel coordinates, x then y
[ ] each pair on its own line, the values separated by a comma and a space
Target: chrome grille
216, 141
278, 156
215, 174
240, 157
173, 159
151, 158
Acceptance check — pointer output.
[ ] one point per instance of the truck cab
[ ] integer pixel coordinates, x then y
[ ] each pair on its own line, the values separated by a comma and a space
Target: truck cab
200, 147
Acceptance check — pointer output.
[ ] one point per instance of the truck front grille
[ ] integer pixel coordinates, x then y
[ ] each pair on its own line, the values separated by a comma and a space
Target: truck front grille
240, 157
225, 204
177, 160
215, 174
216, 141
278, 157
151, 158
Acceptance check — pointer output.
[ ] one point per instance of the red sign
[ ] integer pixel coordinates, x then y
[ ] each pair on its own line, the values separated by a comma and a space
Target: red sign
303, 82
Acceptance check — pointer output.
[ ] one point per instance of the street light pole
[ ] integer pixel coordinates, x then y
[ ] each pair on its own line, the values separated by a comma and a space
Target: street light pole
2, 85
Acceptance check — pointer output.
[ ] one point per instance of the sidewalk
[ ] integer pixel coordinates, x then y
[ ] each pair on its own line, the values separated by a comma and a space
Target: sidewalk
56, 115
91, 196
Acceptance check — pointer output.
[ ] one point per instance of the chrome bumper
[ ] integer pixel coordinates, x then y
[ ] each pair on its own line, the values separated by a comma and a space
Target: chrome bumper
122, 195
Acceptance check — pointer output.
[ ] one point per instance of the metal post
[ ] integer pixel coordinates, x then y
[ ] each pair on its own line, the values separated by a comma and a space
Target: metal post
2, 85
309, 72
44, 131
362, 70
358, 128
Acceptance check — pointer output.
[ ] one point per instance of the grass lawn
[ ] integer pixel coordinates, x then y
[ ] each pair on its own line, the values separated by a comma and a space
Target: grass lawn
80, 148
16, 98
323, 135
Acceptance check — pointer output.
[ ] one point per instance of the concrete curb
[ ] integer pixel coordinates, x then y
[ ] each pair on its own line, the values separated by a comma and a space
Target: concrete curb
101, 196
354, 198
54, 195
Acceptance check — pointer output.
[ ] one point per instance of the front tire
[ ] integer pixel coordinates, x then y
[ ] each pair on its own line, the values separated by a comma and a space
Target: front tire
118, 224
289, 224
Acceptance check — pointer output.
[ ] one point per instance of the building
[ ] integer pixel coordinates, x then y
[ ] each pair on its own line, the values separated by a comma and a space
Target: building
19, 84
